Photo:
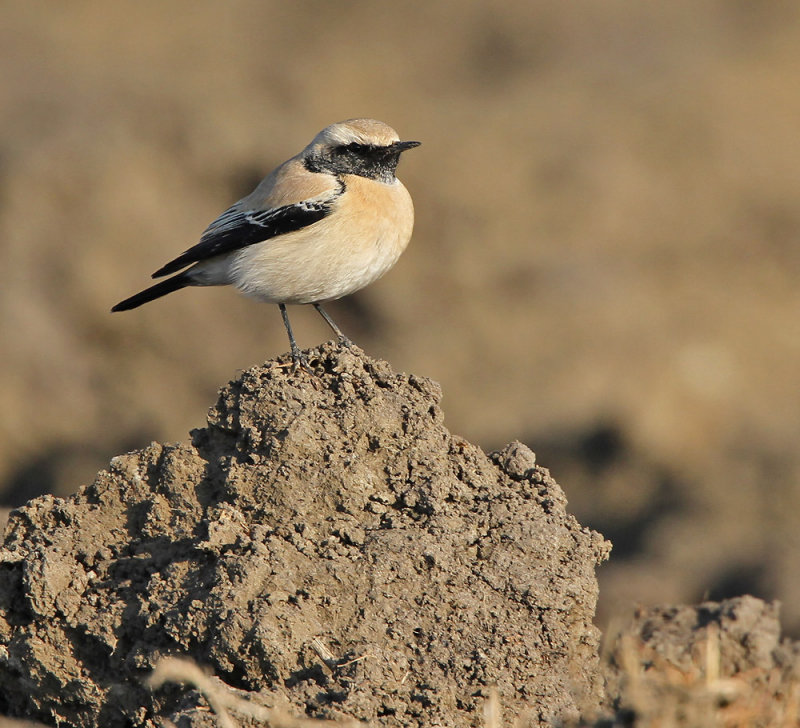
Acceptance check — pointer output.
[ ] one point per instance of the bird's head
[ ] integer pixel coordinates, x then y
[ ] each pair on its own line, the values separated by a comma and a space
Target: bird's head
364, 147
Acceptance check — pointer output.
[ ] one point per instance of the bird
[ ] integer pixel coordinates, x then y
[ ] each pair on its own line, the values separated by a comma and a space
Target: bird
322, 225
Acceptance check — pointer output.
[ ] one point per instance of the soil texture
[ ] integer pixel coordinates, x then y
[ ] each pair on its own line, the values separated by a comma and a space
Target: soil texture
324, 546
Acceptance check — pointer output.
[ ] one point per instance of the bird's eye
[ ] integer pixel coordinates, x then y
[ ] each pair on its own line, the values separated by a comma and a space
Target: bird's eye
355, 148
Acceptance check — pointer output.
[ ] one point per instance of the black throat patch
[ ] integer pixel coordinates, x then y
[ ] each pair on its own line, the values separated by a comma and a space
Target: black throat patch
365, 160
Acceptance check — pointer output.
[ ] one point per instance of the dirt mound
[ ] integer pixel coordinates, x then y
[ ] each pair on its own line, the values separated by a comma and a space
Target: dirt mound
712, 664
324, 544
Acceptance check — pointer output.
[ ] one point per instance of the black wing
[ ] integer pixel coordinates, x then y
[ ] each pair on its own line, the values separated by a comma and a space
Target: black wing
236, 228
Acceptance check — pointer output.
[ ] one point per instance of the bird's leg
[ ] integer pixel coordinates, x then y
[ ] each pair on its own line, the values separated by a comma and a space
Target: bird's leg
298, 359
336, 330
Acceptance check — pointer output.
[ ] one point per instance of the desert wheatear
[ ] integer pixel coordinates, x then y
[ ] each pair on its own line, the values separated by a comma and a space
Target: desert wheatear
324, 224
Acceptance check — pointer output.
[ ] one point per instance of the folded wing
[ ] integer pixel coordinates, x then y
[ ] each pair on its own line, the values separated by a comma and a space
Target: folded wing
237, 228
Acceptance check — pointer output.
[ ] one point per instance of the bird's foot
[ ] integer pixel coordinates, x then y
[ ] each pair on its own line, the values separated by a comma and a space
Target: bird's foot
299, 361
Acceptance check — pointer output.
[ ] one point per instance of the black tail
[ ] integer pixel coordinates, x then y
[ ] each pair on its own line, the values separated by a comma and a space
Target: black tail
159, 289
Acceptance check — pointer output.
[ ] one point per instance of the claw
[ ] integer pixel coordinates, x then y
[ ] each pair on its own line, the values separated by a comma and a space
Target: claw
299, 361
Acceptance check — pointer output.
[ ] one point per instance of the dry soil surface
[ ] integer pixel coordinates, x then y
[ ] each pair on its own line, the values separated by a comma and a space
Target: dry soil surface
326, 548
325, 545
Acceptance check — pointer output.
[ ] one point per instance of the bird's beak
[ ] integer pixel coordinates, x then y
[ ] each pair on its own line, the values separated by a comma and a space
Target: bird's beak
403, 146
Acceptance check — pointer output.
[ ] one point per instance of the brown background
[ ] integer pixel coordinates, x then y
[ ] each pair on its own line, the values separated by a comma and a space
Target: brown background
605, 263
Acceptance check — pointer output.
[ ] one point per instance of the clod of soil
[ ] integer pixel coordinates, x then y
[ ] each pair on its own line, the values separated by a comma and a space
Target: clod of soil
324, 544
713, 664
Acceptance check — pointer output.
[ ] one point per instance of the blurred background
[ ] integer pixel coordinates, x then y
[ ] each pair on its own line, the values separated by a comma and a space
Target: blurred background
605, 263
